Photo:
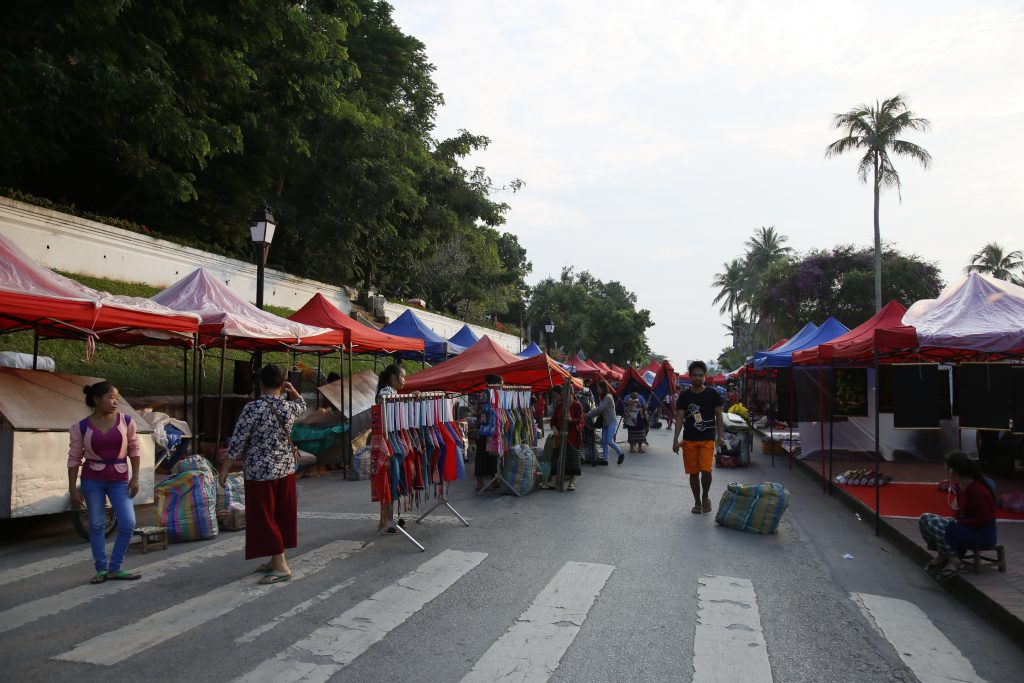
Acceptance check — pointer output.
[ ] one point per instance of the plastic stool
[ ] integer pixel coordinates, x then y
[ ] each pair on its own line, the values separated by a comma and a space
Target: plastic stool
976, 558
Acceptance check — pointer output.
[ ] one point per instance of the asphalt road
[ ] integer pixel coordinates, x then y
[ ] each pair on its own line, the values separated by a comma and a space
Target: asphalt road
616, 581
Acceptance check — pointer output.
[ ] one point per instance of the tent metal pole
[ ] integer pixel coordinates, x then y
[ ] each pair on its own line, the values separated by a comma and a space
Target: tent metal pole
792, 414
348, 334
184, 383
341, 403
35, 349
196, 435
831, 423
821, 424
220, 397
878, 451
316, 382
566, 402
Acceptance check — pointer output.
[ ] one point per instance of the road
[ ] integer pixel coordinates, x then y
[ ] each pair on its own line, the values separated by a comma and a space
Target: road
616, 581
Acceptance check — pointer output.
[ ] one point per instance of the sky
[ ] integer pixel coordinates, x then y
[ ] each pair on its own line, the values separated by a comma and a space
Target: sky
654, 138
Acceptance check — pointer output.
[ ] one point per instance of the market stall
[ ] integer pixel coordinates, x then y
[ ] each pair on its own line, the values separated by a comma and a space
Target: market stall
437, 348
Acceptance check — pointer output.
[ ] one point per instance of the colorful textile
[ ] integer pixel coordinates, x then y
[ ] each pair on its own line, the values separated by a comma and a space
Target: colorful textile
186, 502
757, 508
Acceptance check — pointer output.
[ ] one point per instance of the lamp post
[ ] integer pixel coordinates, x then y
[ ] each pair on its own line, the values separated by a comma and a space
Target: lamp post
611, 352
261, 229
549, 329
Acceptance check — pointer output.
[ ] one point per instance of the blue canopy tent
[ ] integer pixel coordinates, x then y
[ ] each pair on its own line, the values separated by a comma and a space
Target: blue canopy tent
530, 351
436, 347
795, 343
782, 357
465, 337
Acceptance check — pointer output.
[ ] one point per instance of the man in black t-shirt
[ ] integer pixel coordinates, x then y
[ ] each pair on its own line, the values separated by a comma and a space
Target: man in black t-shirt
699, 415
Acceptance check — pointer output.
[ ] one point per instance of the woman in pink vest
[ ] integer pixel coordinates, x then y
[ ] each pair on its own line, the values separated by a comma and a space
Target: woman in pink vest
102, 446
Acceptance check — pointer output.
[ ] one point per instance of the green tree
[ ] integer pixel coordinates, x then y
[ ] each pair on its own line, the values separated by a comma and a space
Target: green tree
875, 130
732, 286
995, 261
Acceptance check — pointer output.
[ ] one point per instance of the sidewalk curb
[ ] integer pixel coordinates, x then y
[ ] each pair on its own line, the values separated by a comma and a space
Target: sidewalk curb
965, 591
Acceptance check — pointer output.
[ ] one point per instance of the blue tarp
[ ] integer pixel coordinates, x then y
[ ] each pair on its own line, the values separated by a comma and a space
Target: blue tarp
530, 351
807, 338
464, 337
437, 347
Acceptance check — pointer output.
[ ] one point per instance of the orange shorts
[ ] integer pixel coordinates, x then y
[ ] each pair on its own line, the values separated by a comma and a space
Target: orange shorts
698, 456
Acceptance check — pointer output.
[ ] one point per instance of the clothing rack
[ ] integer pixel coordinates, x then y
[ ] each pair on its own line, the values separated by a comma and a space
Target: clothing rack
425, 415
503, 397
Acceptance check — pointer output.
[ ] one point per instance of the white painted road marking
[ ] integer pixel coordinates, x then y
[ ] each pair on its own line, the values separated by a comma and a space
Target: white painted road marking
28, 612
533, 647
729, 644
921, 646
42, 566
343, 639
298, 609
131, 639
373, 516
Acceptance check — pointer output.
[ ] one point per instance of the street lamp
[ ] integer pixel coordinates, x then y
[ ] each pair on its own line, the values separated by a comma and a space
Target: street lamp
549, 329
611, 352
261, 228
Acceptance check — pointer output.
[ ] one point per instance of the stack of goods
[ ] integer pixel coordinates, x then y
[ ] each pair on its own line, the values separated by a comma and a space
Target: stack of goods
186, 502
864, 477
755, 508
231, 503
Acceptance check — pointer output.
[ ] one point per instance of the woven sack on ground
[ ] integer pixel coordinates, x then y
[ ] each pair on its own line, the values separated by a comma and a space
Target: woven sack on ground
233, 491
521, 469
756, 508
187, 501
360, 469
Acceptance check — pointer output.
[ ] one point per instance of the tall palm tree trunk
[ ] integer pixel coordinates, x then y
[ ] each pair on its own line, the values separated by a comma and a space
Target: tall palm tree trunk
878, 245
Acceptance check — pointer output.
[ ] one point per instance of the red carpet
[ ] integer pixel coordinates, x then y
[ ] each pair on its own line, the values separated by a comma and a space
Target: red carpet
901, 499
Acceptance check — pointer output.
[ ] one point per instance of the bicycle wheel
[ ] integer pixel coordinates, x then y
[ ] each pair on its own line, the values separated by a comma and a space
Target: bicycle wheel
80, 520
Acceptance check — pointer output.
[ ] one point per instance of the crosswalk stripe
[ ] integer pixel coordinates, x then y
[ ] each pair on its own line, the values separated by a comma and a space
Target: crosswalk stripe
43, 566
33, 610
373, 516
343, 639
119, 644
917, 641
298, 609
533, 647
729, 644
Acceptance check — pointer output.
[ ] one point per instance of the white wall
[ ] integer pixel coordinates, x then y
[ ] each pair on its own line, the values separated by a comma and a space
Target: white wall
77, 245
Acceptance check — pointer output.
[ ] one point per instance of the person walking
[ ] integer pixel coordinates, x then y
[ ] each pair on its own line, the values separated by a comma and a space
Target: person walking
571, 431
103, 445
699, 416
973, 525
609, 422
262, 440
634, 416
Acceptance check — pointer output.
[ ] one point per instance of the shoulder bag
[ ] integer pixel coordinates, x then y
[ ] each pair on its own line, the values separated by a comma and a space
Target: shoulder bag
284, 428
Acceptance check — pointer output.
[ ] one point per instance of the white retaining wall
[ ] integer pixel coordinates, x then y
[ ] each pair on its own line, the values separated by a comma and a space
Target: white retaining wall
78, 245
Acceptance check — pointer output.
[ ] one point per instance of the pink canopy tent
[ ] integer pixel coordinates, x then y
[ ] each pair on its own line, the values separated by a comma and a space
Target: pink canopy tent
584, 368
227, 316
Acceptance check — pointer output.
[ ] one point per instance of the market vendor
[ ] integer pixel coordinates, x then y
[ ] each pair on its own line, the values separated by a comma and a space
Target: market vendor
973, 525
103, 446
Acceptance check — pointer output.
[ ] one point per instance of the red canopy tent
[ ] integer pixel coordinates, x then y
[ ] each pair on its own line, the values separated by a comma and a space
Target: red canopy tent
858, 342
620, 373
319, 312
229, 318
653, 366
466, 372
35, 298
584, 368
633, 380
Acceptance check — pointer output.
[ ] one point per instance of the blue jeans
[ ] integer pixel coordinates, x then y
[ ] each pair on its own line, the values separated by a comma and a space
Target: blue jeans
608, 440
95, 491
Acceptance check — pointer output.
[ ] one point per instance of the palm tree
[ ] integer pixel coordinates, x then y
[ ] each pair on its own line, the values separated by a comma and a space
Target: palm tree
763, 249
993, 260
875, 129
731, 284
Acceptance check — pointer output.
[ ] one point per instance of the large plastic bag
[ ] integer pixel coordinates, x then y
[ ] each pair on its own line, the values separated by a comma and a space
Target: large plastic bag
521, 469
757, 508
187, 501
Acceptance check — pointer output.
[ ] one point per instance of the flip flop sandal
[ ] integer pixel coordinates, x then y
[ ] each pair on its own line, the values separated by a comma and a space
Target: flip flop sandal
570, 487
697, 510
949, 572
274, 577
99, 577
123, 575
706, 507
263, 569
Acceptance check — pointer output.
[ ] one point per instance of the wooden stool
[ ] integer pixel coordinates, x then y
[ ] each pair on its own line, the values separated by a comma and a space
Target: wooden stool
152, 538
975, 557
